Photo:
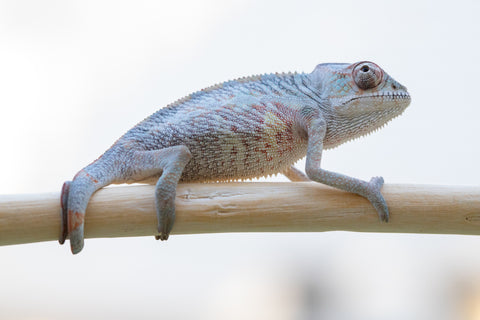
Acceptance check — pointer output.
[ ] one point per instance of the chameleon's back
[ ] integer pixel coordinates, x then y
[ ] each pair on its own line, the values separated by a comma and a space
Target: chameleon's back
236, 130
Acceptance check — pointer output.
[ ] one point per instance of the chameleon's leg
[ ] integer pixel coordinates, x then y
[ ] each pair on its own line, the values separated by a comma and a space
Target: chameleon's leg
170, 162
369, 190
293, 174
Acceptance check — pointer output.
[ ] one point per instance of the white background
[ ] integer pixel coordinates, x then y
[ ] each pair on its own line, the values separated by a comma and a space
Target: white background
75, 75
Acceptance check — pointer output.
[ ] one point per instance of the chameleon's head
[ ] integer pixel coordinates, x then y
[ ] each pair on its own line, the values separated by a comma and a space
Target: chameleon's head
362, 87
360, 93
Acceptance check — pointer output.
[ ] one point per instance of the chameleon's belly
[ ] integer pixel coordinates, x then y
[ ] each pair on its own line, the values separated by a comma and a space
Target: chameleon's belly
233, 154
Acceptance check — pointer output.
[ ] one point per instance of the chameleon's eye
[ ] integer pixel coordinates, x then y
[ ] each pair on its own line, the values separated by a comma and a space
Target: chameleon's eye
367, 75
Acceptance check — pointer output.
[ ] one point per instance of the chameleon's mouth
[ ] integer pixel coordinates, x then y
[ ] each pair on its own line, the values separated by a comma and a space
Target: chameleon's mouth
384, 96
386, 103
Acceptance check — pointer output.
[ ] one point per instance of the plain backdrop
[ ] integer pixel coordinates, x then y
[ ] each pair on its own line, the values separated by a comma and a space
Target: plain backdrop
75, 75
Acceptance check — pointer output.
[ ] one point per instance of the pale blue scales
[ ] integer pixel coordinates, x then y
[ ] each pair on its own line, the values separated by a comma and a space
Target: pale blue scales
245, 128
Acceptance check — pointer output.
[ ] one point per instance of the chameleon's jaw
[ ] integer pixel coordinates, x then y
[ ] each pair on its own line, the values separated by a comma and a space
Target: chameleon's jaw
383, 101
362, 115
382, 98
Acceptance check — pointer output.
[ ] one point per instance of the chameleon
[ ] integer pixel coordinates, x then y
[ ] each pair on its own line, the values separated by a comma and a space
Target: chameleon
246, 128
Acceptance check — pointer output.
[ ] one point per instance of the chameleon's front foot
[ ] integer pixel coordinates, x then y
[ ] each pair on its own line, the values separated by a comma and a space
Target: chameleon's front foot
376, 198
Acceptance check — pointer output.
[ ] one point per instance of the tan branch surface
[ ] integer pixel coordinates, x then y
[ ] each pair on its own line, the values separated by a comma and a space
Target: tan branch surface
247, 207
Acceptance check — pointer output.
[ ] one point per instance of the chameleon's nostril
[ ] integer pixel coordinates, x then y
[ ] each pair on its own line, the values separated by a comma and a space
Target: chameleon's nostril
394, 87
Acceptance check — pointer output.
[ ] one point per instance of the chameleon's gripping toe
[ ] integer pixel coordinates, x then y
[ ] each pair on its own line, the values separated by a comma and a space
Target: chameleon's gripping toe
164, 233
162, 236
375, 196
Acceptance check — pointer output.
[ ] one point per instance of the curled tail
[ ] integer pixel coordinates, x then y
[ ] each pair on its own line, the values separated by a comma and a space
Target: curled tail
74, 200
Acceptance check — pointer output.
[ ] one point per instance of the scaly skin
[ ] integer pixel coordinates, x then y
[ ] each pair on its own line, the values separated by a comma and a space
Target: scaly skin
250, 127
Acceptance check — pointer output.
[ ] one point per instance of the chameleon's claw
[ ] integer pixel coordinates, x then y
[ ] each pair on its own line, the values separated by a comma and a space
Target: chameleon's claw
64, 216
162, 237
377, 182
376, 198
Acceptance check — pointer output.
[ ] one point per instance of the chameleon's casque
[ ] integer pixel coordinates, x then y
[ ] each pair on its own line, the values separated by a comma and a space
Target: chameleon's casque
246, 128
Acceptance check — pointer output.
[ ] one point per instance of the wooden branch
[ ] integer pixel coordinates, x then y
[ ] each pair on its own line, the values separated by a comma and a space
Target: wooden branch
247, 207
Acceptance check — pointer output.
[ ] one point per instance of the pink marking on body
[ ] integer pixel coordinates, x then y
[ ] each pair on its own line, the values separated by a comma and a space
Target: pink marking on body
75, 220
259, 107
87, 175
285, 137
92, 178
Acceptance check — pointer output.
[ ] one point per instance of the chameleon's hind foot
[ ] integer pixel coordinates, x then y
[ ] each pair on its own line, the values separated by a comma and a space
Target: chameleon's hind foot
169, 162
376, 198
166, 216
64, 213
